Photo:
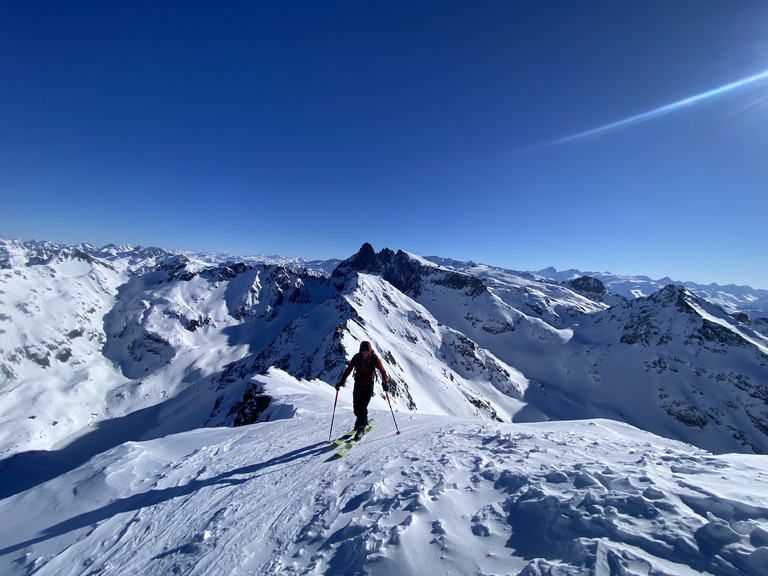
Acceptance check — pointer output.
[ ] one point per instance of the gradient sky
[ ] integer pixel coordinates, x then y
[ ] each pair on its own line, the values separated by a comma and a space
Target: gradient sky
504, 132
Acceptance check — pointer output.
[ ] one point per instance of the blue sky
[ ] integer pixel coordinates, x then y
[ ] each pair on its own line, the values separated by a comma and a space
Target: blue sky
440, 128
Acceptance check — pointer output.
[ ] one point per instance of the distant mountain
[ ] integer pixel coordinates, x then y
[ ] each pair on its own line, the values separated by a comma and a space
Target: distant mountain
215, 258
732, 298
148, 342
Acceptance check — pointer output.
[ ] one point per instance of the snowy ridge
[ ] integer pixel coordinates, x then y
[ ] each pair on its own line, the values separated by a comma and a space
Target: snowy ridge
92, 334
449, 495
653, 362
732, 298
214, 258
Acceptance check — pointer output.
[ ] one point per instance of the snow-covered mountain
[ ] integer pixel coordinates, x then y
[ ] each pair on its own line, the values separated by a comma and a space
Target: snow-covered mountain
115, 360
670, 363
92, 335
732, 298
170, 342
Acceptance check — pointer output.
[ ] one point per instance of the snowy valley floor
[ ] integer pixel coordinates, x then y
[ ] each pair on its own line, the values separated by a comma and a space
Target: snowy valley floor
448, 496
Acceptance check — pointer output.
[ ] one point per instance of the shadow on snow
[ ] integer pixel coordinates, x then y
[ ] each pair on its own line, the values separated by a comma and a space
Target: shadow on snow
155, 497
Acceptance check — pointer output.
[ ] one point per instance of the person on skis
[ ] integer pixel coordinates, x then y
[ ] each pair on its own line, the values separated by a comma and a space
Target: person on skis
363, 363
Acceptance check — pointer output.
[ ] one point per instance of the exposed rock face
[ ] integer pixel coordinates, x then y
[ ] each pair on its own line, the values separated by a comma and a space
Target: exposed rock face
251, 408
587, 284
404, 272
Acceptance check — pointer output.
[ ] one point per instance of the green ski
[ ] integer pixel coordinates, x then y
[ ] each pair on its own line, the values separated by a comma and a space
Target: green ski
347, 440
344, 438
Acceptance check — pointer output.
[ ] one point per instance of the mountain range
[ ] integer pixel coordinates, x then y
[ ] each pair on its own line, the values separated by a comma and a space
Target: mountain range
155, 342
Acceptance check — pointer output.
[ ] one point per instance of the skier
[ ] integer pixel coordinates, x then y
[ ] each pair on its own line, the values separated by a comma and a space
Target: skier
363, 363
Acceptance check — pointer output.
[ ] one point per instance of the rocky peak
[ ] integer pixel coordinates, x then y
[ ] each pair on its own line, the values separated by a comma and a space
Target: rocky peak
404, 272
365, 260
671, 295
587, 284
399, 269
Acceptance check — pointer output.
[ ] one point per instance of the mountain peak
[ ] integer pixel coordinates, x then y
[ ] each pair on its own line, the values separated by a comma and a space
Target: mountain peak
674, 295
365, 260
398, 268
587, 284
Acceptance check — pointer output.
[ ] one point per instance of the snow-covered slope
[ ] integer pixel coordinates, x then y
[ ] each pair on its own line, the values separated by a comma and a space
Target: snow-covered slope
154, 343
671, 363
52, 307
432, 368
91, 335
449, 496
732, 298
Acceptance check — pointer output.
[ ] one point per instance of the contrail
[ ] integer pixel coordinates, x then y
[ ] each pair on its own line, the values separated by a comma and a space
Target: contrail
655, 113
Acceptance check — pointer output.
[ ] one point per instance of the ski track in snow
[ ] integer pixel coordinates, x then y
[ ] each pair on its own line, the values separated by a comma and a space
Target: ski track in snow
448, 496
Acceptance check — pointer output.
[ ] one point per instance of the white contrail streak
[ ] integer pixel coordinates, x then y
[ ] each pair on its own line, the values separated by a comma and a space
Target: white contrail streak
655, 113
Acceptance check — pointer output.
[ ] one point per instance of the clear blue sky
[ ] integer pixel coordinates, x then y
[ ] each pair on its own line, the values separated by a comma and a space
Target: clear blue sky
440, 128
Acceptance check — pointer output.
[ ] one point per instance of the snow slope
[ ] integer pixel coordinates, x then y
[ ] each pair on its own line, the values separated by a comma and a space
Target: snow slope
732, 298
51, 333
90, 335
448, 496
670, 363
148, 343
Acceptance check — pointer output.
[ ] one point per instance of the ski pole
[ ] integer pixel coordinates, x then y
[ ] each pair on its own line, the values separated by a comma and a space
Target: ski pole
334, 416
393, 412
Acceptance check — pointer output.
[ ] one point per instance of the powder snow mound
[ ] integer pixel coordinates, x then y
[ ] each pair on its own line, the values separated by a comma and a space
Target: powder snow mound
448, 496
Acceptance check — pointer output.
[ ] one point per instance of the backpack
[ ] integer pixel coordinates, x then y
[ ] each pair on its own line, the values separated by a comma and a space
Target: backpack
361, 374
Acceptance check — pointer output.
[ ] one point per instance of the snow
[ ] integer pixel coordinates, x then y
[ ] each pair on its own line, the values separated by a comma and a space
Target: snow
113, 360
731, 298
408, 324
87, 336
448, 496
754, 338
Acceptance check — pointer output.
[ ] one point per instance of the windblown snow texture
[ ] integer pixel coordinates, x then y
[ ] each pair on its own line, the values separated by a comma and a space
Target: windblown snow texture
450, 495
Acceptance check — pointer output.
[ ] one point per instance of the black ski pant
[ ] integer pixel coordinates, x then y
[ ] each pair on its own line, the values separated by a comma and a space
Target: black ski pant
361, 397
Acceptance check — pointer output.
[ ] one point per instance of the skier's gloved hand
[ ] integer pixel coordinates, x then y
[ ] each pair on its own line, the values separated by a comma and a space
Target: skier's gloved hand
339, 385
385, 386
